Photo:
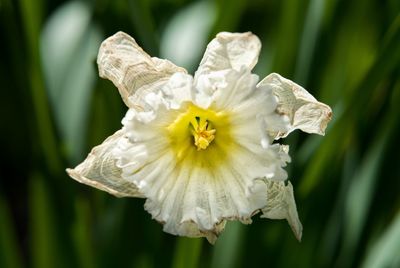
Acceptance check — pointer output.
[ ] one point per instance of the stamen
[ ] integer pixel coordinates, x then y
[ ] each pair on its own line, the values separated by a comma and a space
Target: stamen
202, 132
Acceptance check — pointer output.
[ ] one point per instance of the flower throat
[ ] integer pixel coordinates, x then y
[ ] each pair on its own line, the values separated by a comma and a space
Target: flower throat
205, 131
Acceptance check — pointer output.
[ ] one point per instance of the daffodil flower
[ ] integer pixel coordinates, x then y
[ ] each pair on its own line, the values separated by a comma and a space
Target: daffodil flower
201, 149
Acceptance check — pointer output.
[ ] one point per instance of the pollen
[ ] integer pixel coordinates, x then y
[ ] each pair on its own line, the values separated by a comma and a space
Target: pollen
203, 133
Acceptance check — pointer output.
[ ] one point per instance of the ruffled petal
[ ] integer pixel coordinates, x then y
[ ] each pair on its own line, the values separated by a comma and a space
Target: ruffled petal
230, 51
132, 70
300, 107
191, 196
192, 200
200, 150
99, 170
281, 205
192, 193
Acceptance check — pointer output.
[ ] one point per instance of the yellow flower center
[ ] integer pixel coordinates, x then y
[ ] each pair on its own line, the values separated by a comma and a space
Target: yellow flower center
200, 135
202, 132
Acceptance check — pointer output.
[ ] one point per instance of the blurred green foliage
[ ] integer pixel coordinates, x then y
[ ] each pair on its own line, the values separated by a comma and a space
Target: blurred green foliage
54, 108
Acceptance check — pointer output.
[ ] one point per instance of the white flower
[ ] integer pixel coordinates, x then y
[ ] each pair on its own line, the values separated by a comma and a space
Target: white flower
200, 149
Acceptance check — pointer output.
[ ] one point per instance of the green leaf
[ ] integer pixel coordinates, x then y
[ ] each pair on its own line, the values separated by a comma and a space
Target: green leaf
287, 36
228, 246
143, 22
69, 45
229, 15
358, 200
308, 40
185, 37
187, 252
44, 242
362, 187
384, 252
82, 234
32, 19
9, 252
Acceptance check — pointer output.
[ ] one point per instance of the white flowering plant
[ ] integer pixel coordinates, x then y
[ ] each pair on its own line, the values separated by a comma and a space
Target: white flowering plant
201, 149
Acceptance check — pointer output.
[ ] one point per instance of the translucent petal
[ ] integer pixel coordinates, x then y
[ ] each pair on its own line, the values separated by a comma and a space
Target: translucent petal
99, 170
230, 51
281, 205
302, 109
132, 70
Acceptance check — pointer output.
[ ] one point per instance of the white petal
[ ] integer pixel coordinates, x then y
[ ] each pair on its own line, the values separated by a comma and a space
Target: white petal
132, 70
192, 195
99, 170
225, 54
194, 200
302, 109
194, 191
281, 205
178, 90
238, 89
230, 51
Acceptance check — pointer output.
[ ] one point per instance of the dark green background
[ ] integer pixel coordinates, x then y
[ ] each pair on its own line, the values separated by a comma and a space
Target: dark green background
54, 108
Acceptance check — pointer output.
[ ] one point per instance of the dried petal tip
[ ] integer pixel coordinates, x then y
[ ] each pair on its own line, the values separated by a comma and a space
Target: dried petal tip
230, 51
302, 109
281, 205
132, 70
99, 170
